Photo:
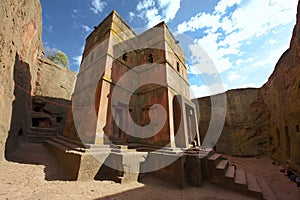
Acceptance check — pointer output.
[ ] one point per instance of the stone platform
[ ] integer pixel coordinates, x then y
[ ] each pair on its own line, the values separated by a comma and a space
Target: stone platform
126, 163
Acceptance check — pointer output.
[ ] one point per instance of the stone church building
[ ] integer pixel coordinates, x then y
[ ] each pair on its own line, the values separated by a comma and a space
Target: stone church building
125, 79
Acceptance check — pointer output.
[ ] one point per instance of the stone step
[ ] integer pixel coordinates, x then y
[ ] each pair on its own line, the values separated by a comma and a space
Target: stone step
205, 152
43, 130
98, 146
252, 183
37, 138
79, 143
68, 144
57, 145
266, 190
222, 165
41, 134
253, 186
240, 177
221, 168
214, 157
230, 172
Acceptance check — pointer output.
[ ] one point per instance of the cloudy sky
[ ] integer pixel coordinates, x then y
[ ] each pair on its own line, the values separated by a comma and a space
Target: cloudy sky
228, 43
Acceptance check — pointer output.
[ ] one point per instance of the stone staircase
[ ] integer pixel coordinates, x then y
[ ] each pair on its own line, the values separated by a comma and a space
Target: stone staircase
218, 170
38, 135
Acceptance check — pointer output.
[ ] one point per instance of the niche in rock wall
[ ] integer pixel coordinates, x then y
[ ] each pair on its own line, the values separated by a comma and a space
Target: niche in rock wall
41, 122
59, 120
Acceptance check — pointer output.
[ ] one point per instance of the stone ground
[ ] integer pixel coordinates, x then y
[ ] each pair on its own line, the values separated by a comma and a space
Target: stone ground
33, 173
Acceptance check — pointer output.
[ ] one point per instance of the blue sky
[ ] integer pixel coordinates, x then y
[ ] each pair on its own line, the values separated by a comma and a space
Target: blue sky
242, 39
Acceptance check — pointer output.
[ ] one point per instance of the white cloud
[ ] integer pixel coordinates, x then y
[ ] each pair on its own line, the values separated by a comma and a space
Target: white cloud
76, 14
205, 90
170, 8
145, 4
233, 75
201, 20
231, 36
272, 57
243, 61
77, 60
86, 28
98, 6
248, 85
271, 42
224, 4
131, 16
157, 11
212, 59
49, 28
154, 16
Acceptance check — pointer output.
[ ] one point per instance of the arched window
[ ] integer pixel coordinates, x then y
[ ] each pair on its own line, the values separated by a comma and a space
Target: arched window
150, 58
178, 67
125, 57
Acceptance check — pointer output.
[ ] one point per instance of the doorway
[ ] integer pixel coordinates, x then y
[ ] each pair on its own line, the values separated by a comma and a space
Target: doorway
119, 136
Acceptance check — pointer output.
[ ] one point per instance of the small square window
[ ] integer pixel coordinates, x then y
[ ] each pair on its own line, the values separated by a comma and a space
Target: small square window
150, 58
178, 67
125, 57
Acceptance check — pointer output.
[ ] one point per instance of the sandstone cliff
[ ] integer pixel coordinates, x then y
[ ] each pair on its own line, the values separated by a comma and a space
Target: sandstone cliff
246, 128
24, 72
264, 121
282, 97
20, 39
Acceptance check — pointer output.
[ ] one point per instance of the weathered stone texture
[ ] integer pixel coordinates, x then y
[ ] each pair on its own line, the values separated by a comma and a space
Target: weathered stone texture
246, 128
105, 102
20, 39
53, 80
24, 71
282, 96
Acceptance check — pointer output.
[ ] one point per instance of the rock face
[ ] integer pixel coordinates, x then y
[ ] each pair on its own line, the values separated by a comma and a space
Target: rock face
24, 72
20, 39
282, 96
266, 120
246, 127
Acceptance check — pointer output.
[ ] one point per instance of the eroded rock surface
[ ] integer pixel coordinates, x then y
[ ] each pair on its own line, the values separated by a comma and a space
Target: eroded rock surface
24, 70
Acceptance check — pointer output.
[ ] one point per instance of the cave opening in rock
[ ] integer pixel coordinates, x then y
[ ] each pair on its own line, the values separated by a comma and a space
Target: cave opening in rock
41, 122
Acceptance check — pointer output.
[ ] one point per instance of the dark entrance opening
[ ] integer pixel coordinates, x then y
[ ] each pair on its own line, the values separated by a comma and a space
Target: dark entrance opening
119, 137
178, 128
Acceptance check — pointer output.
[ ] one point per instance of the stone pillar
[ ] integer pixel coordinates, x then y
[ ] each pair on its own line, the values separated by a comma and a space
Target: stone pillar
185, 123
102, 114
171, 119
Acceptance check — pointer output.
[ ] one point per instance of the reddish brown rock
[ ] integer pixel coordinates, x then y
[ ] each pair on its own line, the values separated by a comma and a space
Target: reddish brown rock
282, 96
24, 71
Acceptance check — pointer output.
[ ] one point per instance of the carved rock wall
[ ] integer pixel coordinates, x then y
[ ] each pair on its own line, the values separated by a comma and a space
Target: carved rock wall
24, 72
20, 40
246, 127
282, 96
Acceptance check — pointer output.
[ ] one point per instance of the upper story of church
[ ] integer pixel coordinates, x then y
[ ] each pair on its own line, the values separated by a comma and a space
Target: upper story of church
126, 50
